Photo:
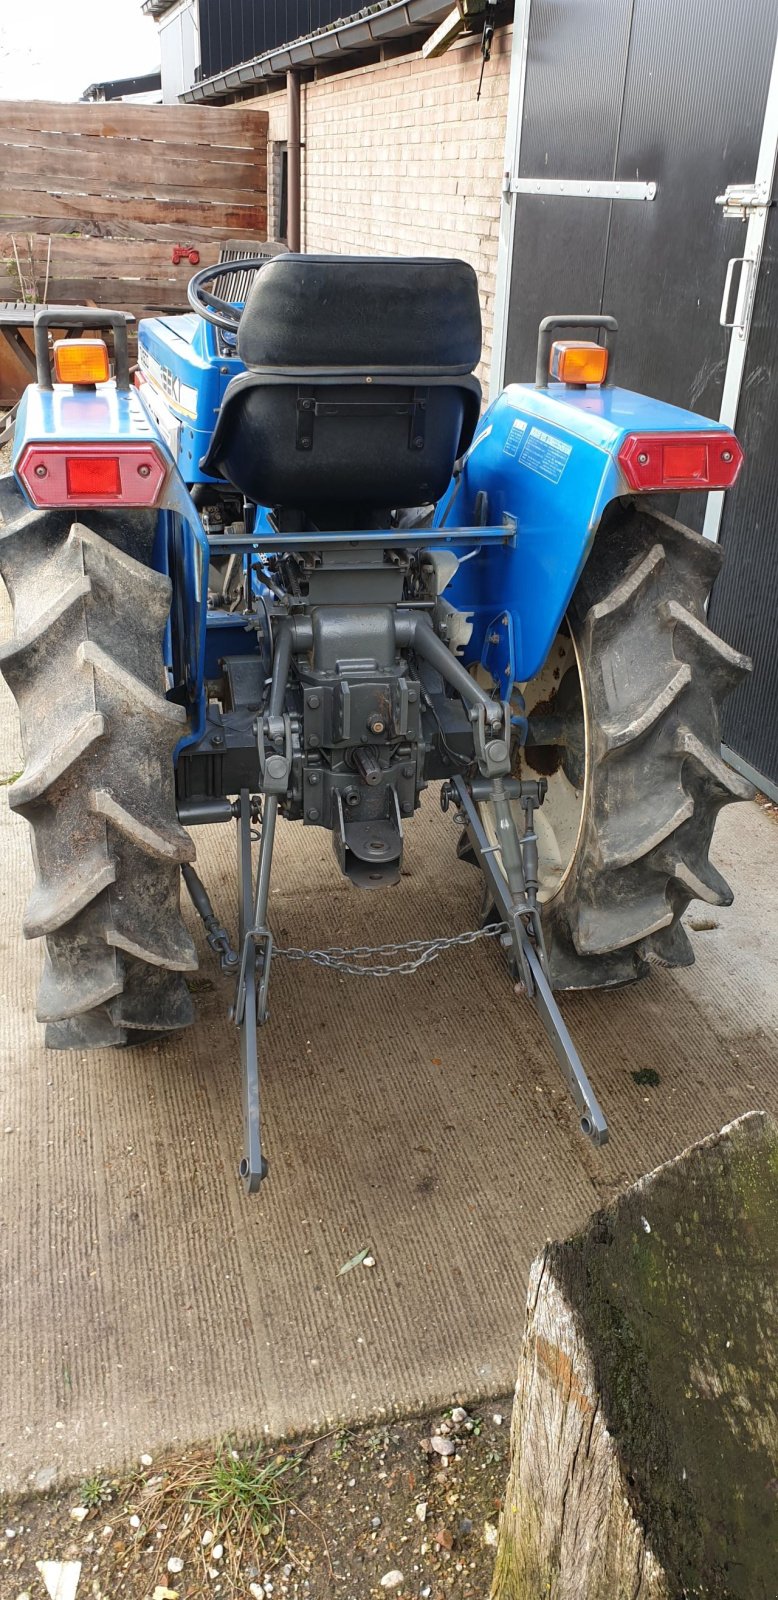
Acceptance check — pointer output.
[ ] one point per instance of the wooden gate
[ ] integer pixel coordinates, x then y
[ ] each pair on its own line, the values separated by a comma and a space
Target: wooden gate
117, 204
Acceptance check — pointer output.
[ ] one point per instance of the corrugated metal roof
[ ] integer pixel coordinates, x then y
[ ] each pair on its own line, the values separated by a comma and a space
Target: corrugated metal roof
157, 8
374, 25
115, 88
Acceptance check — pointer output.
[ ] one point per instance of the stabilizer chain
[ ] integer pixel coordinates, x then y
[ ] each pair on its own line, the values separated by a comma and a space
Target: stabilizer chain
357, 963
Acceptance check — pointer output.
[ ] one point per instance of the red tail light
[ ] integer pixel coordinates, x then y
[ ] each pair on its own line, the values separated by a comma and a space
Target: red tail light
92, 475
705, 460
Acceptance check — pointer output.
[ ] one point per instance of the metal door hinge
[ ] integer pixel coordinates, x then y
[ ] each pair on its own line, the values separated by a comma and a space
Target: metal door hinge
744, 199
585, 188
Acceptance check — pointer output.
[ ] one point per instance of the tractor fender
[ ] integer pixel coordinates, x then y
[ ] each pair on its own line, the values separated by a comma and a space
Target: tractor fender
61, 417
546, 461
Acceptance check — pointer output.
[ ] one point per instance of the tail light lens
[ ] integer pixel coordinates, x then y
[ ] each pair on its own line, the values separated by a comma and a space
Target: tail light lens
92, 475
704, 460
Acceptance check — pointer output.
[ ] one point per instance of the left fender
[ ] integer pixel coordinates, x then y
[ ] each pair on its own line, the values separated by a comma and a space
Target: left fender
106, 416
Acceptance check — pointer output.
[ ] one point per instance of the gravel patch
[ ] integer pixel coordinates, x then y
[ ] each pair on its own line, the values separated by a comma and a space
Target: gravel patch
365, 1512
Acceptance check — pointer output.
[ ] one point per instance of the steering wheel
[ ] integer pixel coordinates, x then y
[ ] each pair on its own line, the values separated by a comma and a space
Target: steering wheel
221, 313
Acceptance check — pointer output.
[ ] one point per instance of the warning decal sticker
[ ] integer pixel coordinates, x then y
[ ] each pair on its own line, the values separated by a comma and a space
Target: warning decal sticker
545, 454
514, 439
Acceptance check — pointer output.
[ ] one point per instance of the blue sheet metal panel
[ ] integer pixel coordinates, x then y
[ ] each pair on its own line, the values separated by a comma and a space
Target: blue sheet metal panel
548, 460
181, 358
550, 478
601, 416
63, 415
187, 549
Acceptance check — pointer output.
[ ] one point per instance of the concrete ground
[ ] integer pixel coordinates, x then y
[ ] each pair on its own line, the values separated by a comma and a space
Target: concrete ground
146, 1300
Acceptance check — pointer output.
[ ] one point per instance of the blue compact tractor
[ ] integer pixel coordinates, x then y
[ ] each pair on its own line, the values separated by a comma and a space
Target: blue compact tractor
294, 570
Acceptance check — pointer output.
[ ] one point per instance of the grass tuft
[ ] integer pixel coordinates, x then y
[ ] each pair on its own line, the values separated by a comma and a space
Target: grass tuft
241, 1499
246, 1490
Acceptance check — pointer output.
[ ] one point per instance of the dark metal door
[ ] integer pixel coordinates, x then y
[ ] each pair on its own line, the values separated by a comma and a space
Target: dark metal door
744, 603
639, 91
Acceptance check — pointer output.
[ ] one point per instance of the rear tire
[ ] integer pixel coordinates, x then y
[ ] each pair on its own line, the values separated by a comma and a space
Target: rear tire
652, 678
86, 669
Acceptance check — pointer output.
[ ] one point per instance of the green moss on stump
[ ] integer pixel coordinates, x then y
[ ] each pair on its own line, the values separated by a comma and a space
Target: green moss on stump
676, 1288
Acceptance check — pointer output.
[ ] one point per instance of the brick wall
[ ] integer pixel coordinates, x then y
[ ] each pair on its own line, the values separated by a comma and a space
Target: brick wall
401, 158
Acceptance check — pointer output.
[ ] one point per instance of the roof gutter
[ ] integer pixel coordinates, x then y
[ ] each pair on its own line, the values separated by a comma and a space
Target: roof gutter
396, 21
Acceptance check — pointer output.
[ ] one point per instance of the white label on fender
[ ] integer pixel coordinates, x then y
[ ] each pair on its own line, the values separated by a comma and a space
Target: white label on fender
511, 445
545, 454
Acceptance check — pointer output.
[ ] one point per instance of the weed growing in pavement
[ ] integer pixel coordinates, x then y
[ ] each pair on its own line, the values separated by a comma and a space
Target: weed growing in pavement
95, 1491
246, 1490
380, 1441
233, 1499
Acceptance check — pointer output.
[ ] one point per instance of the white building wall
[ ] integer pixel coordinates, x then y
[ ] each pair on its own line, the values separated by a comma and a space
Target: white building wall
179, 44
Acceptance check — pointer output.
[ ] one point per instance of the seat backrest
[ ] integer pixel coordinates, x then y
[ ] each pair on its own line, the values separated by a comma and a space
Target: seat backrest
359, 390
375, 313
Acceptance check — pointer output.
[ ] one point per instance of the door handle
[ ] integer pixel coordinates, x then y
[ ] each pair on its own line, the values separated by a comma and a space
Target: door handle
736, 261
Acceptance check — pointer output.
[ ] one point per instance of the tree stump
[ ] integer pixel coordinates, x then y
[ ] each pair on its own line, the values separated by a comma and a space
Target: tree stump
644, 1440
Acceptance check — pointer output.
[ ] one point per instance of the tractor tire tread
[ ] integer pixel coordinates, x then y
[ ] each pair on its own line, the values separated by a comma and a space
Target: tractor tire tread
654, 678
85, 666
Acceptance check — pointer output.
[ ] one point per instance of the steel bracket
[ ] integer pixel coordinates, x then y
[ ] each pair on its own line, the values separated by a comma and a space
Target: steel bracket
585, 188
744, 199
492, 749
275, 768
259, 943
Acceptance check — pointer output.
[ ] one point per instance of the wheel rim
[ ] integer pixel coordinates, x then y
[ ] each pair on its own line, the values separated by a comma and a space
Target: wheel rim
554, 704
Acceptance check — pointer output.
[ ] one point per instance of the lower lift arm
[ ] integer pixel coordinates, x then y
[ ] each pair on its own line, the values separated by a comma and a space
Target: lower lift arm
530, 962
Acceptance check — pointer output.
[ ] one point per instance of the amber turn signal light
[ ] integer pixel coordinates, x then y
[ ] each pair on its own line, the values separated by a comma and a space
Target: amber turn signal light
578, 361
81, 361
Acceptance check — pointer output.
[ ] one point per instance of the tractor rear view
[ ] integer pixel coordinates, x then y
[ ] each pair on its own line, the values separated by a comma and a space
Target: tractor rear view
294, 572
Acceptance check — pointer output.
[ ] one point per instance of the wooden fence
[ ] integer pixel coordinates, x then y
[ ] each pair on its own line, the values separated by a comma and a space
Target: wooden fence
95, 200
136, 172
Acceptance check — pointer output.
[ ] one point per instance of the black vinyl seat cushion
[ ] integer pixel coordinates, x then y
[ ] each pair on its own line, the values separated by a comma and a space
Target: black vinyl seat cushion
359, 388
382, 312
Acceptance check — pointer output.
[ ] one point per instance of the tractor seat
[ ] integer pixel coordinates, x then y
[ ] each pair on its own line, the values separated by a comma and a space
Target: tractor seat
359, 391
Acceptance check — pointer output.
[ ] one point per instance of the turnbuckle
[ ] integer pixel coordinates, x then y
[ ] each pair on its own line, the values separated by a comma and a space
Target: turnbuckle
257, 940
217, 936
